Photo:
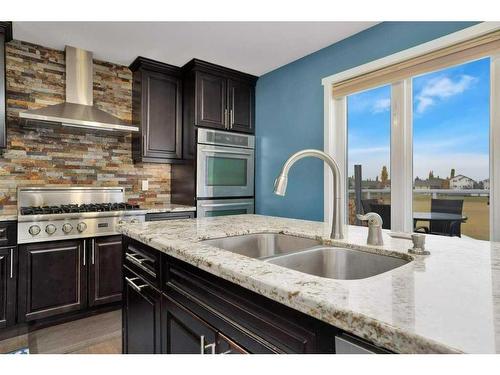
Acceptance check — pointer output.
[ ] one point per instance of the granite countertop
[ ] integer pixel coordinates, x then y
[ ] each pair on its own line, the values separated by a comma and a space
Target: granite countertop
446, 302
170, 207
8, 215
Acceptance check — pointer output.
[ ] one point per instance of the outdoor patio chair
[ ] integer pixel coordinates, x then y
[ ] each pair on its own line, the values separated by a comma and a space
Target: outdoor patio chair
445, 228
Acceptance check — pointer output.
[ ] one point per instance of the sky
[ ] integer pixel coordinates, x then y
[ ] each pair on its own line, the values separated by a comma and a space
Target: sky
450, 124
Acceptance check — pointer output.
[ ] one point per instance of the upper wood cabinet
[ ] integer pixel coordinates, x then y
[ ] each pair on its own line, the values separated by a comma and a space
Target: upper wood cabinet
5, 36
218, 97
157, 110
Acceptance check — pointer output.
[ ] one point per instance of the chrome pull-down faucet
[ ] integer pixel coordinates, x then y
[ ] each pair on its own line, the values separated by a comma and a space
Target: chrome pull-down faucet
282, 180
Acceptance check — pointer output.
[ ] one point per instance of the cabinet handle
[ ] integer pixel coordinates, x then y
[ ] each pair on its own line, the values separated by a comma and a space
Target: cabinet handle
12, 263
204, 346
232, 119
93, 251
132, 257
226, 126
134, 285
84, 251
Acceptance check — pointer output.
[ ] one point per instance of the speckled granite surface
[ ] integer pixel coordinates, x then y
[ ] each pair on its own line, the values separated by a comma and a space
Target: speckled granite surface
447, 302
8, 215
169, 208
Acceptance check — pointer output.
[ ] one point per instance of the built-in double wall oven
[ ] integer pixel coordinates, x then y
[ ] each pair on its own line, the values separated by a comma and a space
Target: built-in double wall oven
225, 173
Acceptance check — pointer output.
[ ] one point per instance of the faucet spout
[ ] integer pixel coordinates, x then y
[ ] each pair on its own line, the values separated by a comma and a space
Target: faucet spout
281, 181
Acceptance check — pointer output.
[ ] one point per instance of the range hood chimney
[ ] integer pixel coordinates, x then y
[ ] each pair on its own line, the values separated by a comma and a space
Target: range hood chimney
78, 110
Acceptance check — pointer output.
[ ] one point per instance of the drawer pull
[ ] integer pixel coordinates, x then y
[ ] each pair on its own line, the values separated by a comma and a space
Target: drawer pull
12, 263
134, 258
130, 281
204, 347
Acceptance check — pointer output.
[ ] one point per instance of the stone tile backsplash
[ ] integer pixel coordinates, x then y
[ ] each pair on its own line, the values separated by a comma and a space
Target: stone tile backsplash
39, 154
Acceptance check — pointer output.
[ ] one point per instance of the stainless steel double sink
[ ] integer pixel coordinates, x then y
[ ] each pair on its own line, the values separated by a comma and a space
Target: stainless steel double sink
309, 256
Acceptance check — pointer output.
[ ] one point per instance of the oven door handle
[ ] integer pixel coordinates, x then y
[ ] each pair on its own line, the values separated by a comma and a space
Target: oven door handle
225, 204
207, 150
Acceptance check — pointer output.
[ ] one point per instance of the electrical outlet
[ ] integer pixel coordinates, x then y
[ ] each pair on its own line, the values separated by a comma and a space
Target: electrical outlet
145, 185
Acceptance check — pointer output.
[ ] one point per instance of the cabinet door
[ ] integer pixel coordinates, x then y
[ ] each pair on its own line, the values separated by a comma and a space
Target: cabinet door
211, 109
162, 121
185, 333
105, 271
141, 316
52, 279
7, 286
227, 346
241, 106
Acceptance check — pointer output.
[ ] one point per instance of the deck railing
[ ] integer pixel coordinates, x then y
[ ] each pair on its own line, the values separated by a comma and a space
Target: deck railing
433, 192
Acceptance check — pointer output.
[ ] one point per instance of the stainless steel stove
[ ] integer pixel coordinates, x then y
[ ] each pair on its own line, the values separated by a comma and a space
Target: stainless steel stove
53, 213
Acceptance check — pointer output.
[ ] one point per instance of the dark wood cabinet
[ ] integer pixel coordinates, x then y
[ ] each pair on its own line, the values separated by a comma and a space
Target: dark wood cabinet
157, 110
105, 271
185, 333
8, 276
241, 104
211, 97
141, 315
5, 36
52, 279
202, 313
217, 97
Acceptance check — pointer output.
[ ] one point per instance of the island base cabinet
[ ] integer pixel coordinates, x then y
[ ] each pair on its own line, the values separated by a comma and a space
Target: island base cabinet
184, 332
141, 315
201, 313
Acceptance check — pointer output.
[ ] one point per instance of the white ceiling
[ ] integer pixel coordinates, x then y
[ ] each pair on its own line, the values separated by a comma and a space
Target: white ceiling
252, 47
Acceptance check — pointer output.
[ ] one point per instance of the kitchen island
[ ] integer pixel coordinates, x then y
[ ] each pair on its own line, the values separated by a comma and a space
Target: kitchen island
446, 302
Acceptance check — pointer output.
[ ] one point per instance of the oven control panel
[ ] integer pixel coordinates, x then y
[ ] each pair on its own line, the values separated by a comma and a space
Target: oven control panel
54, 230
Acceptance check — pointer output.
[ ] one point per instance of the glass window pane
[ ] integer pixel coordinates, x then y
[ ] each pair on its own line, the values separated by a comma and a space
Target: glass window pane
226, 171
368, 148
451, 150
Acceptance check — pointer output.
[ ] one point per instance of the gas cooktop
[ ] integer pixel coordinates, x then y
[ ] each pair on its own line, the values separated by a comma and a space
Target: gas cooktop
75, 208
57, 213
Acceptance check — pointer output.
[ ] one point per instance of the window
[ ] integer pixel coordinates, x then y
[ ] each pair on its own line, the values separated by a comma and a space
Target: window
441, 138
451, 127
369, 141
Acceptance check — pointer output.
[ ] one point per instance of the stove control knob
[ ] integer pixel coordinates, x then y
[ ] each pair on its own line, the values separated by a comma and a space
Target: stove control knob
34, 230
81, 227
50, 229
67, 227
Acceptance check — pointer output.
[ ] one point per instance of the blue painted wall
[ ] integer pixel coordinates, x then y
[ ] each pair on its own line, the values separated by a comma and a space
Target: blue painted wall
289, 111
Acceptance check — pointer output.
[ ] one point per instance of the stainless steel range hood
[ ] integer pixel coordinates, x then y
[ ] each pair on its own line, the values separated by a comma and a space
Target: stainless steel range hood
78, 110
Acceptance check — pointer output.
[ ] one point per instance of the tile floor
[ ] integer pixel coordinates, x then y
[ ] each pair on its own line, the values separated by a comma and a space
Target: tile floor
99, 334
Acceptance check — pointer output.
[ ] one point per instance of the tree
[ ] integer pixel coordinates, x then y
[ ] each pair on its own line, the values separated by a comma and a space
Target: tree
384, 175
431, 175
452, 173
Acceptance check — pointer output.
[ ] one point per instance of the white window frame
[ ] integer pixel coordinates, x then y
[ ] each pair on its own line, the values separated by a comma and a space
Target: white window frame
335, 132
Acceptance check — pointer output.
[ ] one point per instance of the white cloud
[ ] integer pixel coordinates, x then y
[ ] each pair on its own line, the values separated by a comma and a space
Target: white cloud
381, 105
440, 88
